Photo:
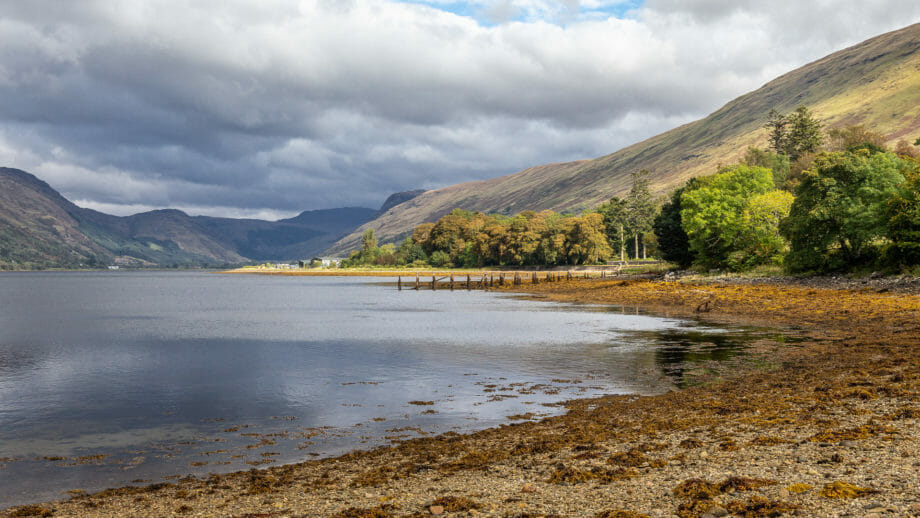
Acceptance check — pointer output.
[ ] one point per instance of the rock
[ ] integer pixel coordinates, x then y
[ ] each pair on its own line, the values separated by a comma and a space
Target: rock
436, 510
529, 488
716, 512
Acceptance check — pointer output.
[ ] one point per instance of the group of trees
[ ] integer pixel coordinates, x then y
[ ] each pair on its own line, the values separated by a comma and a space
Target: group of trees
811, 207
727, 220
473, 239
852, 205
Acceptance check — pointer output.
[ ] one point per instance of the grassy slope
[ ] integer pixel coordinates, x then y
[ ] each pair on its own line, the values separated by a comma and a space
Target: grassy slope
876, 83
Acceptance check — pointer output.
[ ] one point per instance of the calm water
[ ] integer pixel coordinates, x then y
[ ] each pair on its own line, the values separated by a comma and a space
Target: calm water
119, 377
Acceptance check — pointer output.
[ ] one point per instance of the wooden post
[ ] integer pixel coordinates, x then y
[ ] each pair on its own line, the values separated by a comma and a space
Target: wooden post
434, 281
467, 281
399, 283
451, 282
501, 279
416, 281
533, 278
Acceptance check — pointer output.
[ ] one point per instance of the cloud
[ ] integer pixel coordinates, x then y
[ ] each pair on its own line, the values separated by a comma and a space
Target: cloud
277, 106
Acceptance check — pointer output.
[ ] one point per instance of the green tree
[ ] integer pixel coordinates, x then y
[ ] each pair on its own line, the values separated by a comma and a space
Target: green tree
673, 243
616, 224
776, 162
838, 214
759, 241
777, 127
902, 215
439, 259
640, 207
368, 241
794, 134
713, 214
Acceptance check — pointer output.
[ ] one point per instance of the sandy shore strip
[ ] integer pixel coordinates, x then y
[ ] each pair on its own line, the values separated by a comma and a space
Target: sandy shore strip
825, 425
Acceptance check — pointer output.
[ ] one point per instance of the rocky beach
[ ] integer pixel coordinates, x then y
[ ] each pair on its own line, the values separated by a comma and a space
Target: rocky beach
823, 424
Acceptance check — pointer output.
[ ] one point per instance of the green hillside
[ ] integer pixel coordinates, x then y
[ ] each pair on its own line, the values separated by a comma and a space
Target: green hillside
875, 83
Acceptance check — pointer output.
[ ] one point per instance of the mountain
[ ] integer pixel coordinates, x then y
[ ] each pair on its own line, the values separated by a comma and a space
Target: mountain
875, 83
39, 228
397, 199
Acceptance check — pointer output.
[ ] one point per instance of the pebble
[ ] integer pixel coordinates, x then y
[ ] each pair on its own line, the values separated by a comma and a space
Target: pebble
436, 510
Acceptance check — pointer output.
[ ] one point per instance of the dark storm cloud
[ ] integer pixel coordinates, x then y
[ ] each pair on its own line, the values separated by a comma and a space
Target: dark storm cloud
268, 108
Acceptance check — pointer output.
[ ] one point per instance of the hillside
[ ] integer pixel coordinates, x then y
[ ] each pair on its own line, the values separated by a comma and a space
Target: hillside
39, 228
875, 83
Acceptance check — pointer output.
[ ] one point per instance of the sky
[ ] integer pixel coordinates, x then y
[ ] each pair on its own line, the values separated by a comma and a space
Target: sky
266, 108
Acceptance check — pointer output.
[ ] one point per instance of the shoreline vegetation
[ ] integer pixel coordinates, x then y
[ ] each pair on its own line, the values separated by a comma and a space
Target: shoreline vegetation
823, 425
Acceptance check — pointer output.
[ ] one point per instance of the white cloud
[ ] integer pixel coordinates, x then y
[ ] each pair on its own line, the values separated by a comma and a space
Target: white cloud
282, 106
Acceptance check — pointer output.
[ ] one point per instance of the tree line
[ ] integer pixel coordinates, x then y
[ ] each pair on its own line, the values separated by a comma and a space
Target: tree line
813, 202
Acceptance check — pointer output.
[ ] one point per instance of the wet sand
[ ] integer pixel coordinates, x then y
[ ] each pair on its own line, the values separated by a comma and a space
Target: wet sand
825, 425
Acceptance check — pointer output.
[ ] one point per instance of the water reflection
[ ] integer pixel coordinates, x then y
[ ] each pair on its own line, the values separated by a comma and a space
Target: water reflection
109, 378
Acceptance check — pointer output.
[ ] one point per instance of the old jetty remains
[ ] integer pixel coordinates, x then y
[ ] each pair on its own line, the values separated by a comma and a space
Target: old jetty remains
486, 280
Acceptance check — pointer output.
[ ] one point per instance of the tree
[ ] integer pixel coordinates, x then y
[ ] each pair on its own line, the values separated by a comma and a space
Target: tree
794, 134
838, 217
776, 162
673, 243
713, 215
851, 137
776, 125
586, 242
759, 241
902, 221
368, 241
640, 207
616, 222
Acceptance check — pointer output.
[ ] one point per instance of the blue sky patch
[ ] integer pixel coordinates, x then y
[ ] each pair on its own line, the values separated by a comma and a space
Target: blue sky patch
496, 12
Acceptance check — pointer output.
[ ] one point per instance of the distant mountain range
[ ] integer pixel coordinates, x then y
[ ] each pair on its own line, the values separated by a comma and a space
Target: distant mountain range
39, 228
875, 83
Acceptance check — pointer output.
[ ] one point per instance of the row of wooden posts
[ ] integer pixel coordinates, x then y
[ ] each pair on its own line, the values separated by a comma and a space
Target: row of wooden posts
490, 279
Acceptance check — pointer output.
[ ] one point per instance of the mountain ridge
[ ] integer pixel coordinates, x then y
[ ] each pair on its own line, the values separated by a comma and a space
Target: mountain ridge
40, 228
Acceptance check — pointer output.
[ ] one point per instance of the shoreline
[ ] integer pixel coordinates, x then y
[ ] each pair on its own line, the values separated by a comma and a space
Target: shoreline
840, 407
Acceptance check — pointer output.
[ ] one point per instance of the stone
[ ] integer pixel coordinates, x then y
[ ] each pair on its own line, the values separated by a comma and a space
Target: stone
436, 510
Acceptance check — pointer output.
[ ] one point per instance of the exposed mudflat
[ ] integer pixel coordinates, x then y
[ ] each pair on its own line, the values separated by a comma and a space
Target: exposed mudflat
825, 425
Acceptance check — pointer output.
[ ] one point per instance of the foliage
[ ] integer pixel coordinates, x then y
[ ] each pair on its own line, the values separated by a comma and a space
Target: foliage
368, 241
728, 218
640, 208
837, 218
776, 162
794, 134
616, 224
902, 221
673, 244
852, 137
760, 242
473, 239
